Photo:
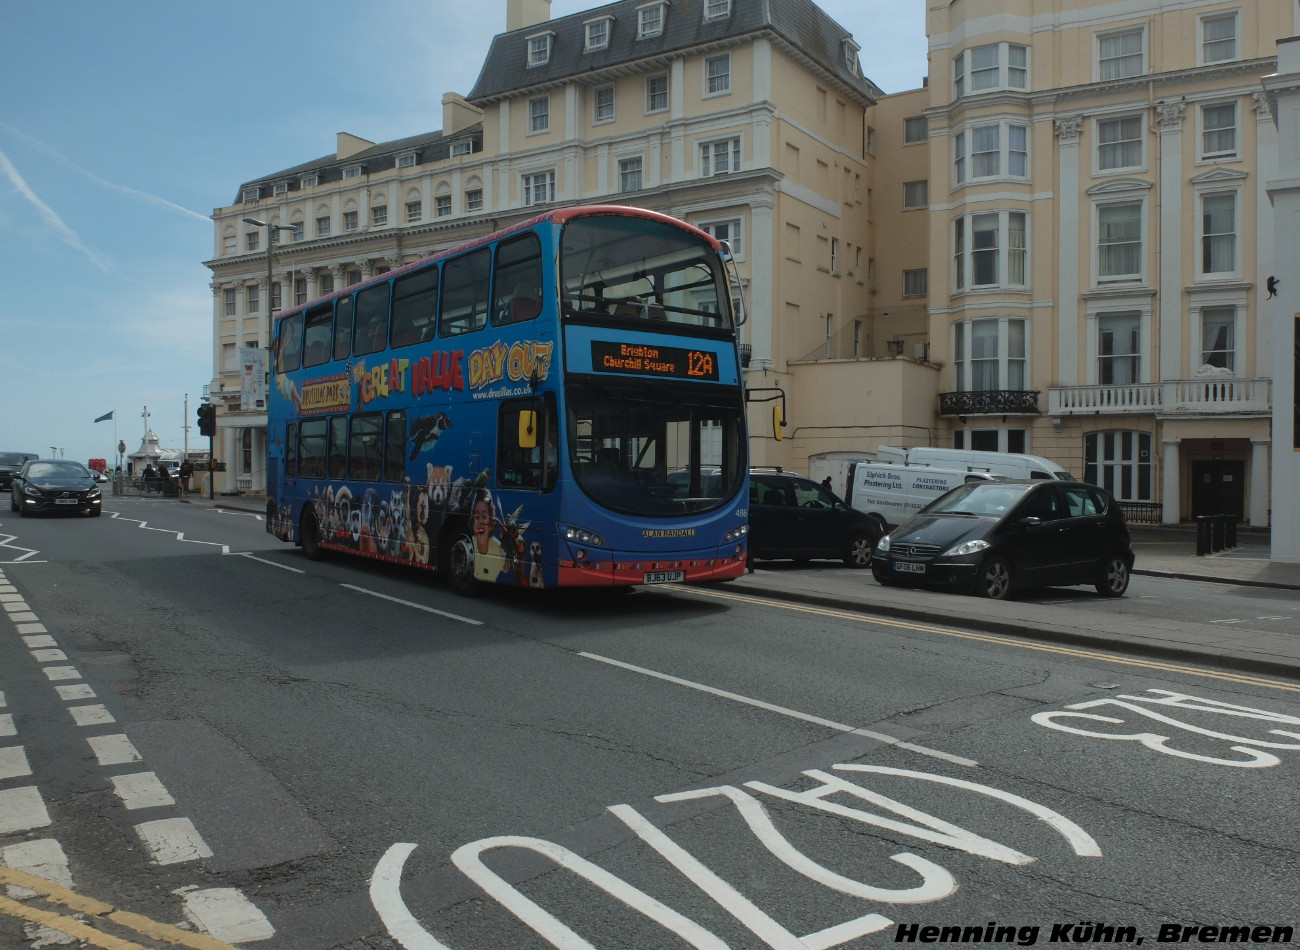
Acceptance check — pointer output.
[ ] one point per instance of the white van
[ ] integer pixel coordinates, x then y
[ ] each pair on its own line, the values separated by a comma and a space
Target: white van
893, 493
1008, 464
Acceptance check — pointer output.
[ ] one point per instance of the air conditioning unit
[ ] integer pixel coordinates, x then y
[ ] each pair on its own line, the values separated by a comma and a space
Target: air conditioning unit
922, 352
895, 347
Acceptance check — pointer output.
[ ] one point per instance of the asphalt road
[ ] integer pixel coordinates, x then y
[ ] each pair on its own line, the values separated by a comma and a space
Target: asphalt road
353, 757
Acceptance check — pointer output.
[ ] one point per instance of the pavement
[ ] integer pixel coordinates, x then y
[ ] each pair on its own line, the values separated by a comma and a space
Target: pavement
1270, 648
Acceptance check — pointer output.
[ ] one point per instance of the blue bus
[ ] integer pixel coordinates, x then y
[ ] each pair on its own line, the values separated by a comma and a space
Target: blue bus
556, 404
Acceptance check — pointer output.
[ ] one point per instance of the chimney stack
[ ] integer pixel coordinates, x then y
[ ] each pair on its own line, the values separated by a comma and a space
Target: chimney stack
524, 13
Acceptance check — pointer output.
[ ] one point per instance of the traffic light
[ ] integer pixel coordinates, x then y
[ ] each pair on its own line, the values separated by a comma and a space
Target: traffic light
207, 419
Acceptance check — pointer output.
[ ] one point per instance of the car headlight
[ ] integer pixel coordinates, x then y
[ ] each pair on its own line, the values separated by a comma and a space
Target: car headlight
967, 547
883, 544
93, 493
32, 490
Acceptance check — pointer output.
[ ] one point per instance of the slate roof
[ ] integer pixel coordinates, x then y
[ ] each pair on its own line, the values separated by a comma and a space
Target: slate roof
800, 23
428, 146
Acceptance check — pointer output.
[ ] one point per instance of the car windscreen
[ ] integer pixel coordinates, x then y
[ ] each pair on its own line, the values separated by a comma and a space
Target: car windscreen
57, 470
13, 458
993, 499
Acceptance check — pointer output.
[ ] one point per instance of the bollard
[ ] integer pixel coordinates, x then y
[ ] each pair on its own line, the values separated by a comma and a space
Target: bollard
1231, 539
1216, 536
1202, 535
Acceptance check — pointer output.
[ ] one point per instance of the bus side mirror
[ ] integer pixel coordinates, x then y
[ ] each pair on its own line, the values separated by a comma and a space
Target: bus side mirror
778, 422
528, 429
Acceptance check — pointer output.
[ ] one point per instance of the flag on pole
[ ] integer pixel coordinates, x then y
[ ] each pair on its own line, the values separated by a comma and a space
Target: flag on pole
106, 416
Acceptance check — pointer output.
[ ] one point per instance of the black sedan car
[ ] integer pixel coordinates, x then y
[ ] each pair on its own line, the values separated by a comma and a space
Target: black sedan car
11, 462
55, 485
991, 538
794, 517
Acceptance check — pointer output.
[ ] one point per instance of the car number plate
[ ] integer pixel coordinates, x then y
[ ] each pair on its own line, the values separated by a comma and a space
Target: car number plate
65, 501
665, 577
907, 567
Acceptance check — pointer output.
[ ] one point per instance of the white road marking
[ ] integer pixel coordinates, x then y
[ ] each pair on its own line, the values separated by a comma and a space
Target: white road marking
39, 641
75, 691
408, 603
173, 840
178, 535
53, 673
782, 710
468, 859
93, 715
31, 628
262, 560
13, 762
48, 656
141, 790
7, 725
386, 898
22, 809
224, 913
42, 858
24, 618
1227, 621
113, 750
15, 606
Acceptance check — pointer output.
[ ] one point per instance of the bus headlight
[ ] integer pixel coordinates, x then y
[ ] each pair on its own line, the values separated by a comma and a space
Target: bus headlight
736, 533
582, 535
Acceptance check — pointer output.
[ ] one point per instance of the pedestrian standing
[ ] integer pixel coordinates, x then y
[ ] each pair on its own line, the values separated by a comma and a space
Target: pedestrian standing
187, 470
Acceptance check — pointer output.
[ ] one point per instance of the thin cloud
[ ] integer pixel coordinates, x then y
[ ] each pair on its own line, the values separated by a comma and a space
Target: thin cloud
51, 218
133, 192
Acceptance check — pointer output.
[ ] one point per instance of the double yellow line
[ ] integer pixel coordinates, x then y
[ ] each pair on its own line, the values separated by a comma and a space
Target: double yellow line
1077, 652
97, 911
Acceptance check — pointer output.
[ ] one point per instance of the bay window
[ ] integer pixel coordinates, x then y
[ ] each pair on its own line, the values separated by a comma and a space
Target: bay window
990, 249
989, 354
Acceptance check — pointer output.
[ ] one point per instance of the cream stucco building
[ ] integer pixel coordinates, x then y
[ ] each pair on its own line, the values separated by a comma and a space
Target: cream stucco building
1061, 244
1101, 240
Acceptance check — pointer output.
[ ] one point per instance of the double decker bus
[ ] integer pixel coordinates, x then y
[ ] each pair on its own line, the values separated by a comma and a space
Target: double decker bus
556, 404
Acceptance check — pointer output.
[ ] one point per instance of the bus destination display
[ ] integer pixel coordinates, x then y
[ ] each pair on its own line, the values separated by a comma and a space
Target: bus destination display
643, 359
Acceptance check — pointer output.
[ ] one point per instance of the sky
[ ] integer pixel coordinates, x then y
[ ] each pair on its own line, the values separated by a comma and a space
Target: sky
124, 125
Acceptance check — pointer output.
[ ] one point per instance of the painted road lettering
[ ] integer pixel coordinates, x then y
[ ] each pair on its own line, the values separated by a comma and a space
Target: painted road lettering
936, 882
1250, 747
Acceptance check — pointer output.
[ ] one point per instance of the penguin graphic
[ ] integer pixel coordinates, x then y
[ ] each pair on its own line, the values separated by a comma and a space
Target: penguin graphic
425, 432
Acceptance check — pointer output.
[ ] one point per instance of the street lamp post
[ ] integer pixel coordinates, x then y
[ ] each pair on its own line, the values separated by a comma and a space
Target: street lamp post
270, 264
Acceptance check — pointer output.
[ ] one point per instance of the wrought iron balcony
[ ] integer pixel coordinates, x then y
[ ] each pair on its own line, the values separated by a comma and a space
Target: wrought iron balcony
994, 402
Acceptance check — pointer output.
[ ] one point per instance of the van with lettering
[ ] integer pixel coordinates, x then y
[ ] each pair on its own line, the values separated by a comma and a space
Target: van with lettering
892, 493
1008, 464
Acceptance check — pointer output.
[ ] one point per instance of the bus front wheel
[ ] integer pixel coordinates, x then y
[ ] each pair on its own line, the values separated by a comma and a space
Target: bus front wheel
458, 561
309, 534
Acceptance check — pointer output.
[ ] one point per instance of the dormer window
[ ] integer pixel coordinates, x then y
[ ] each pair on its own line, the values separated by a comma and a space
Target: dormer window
851, 50
406, 160
352, 171
649, 20
251, 194
598, 31
539, 48
309, 181
716, 9
280, 188
462, 148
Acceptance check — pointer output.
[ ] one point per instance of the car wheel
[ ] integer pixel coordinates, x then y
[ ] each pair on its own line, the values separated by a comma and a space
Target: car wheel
457, 561
309, 536
994, 579
1114, 577
859, 551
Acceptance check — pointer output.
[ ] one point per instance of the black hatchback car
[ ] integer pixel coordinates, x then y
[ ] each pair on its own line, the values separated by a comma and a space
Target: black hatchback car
11, 462
991, 538
55, 485
794, 517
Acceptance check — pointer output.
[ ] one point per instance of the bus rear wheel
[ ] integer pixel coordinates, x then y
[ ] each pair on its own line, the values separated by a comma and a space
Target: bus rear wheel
457, 561
309, 534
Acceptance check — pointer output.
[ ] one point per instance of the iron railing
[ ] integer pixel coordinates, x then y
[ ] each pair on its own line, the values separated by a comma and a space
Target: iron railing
989, 402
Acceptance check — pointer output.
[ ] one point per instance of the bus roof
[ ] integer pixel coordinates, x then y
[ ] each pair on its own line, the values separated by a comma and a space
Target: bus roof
559, 216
